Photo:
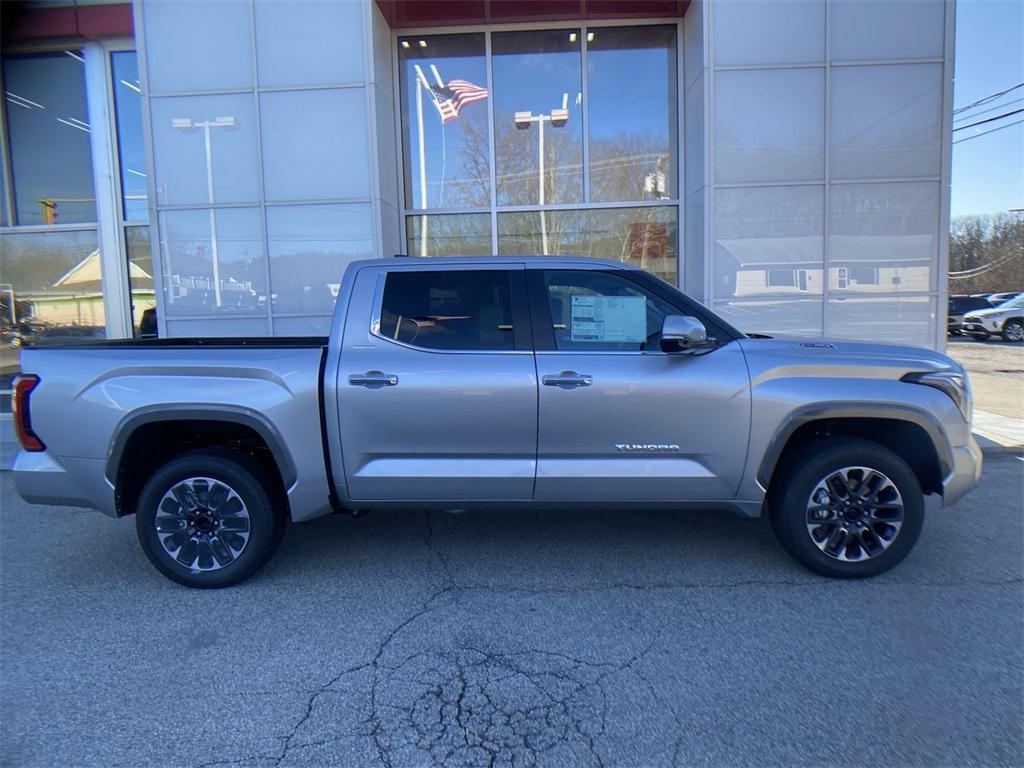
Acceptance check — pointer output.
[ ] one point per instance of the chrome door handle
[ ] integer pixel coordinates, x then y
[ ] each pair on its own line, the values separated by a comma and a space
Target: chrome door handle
568, 379
373, 379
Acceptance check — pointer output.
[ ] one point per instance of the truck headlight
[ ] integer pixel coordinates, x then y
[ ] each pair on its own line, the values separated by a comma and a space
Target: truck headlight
953, 383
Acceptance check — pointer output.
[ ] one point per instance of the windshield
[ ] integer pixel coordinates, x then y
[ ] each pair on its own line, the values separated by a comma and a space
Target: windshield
1017, 303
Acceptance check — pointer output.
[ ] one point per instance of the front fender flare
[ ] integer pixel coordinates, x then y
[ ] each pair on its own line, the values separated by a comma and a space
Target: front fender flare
824, 411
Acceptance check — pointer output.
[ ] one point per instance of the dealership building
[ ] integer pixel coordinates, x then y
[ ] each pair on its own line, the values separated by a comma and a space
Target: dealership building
210, 168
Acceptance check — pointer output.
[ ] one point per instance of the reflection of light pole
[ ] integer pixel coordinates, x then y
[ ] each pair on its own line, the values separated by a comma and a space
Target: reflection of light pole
557, 118
421, 83
187, 124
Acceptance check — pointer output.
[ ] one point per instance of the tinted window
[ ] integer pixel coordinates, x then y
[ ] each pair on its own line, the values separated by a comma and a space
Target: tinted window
594, 310
449, 309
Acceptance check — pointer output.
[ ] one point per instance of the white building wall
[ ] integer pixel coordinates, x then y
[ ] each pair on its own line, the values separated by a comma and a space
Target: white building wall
827, 155
303, 168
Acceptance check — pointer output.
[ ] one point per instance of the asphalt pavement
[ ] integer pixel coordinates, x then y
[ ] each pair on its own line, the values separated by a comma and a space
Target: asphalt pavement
407, 639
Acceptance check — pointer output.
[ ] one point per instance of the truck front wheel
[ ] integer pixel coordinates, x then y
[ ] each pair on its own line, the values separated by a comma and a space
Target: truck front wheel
846, 507
207, 519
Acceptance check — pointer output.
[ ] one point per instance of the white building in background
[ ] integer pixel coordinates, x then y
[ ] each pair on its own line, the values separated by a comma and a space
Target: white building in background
784, 161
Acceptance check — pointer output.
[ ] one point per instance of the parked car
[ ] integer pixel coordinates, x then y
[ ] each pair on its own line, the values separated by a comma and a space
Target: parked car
1006, 320
519, 382
960, 306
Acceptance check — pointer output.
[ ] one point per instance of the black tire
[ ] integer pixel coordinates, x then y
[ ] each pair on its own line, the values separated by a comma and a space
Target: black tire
799, 475
1013, 331
257, 498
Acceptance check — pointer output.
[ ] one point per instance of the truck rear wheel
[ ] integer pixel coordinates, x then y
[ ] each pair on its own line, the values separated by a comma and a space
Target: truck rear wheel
846, 507
208, 520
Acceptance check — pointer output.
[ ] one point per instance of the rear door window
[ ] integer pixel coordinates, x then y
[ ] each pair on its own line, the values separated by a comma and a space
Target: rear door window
449, 309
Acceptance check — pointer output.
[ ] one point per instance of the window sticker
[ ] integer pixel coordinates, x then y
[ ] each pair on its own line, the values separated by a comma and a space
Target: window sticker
609, 318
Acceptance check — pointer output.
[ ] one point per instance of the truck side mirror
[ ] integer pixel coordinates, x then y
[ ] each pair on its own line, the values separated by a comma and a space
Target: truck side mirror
680, 333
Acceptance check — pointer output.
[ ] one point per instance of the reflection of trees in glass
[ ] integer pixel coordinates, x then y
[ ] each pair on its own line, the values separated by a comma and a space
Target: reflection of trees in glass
645, 237
517, 160
451, 235
630, 166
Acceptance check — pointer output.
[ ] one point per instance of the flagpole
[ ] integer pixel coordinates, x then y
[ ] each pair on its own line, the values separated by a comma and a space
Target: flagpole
423, 160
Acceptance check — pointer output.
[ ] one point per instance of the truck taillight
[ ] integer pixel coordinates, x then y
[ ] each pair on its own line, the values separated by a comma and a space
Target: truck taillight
23, 386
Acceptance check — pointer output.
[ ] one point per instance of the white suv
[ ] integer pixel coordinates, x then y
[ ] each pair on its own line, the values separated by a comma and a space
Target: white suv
1007, 320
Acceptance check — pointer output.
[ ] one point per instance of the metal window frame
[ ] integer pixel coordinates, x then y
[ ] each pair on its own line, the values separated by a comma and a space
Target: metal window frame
493, 209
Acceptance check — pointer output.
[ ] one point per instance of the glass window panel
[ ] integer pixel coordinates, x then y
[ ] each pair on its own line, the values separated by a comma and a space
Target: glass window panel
756, 32
310, 247
224, 327
894, 29
128, 120
892, 319
770, 125
632, 317
303, 326
197, 45
769, 240
466, 234
633, 114
449, 309
776, 317
140, 280
315, 144
644, 236
331, 48
891, 228
886, 121
224, 274
51, 286
48, 134
538, 72
186, 164
455, 167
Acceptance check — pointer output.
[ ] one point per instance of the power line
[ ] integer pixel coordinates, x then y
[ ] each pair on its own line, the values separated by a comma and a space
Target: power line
988, 98
989, 119
990, 130
990, 109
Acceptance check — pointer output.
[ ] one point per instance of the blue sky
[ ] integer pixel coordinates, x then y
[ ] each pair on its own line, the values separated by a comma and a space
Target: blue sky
988, 172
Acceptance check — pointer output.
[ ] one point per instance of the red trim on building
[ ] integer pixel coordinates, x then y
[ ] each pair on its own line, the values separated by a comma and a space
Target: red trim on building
402, 14
26, 24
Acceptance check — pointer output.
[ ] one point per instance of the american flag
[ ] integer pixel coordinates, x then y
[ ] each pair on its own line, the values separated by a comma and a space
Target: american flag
450, 99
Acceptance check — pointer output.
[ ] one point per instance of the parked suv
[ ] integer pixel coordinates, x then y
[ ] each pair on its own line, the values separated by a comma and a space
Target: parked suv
1006, 320
960, 306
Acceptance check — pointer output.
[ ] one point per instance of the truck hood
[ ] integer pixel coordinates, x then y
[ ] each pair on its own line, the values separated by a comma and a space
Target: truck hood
845, 353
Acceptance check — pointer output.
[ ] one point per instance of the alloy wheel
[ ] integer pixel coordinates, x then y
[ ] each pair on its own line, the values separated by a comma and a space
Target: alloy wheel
854, 514
202, 523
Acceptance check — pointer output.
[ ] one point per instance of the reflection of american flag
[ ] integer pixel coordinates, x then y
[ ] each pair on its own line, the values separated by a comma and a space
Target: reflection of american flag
451, 98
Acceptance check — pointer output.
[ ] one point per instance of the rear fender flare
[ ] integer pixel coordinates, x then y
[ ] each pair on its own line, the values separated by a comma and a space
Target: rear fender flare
223, 413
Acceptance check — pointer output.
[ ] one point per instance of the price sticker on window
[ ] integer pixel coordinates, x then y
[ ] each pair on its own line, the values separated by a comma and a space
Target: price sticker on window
609, 318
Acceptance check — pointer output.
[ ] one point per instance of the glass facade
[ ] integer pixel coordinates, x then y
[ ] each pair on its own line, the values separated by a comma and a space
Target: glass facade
557, 141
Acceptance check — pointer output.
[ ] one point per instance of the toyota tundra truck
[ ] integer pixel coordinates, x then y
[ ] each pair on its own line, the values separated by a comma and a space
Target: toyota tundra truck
496, 383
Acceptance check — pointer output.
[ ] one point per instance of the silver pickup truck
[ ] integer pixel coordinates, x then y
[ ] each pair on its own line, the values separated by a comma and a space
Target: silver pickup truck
496, 383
